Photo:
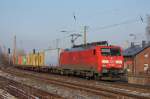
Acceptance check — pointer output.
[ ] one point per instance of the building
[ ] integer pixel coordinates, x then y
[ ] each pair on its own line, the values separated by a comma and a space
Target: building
137, 63
137, 59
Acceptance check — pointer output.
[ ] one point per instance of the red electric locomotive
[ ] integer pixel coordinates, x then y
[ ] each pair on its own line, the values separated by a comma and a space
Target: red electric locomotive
97, 59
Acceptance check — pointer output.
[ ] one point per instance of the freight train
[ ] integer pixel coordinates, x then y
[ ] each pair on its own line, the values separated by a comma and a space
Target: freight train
96, 60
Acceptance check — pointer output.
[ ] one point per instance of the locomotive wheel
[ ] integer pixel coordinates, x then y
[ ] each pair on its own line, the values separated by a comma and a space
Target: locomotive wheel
96, 76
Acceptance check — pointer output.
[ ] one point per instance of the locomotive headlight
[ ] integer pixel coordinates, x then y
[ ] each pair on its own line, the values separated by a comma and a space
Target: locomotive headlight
118, 61
105, 61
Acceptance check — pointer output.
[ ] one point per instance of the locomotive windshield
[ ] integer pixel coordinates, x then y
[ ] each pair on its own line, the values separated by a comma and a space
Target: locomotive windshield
110, 52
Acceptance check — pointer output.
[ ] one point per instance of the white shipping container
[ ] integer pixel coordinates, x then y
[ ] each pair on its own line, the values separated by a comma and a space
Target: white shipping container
51, 58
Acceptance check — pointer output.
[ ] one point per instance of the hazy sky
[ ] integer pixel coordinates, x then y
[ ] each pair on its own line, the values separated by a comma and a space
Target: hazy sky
37, 23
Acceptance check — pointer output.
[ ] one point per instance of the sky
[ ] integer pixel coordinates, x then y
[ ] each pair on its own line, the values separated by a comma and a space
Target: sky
38, 23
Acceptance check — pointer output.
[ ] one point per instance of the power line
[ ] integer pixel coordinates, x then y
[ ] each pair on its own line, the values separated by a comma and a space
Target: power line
106, 27
118, 24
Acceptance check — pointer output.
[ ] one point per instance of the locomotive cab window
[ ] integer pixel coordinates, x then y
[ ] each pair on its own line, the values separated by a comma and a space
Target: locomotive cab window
105, 51
110, 52
115, 52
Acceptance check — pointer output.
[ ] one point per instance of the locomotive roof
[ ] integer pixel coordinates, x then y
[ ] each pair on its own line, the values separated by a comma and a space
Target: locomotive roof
102, 43
78, 48
88, 47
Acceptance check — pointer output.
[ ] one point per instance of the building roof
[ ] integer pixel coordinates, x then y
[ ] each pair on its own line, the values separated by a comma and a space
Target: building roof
134, 50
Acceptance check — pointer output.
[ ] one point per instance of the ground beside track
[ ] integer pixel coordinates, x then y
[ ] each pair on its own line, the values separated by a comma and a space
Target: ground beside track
14, 88
50, 88
5, 95
30, 79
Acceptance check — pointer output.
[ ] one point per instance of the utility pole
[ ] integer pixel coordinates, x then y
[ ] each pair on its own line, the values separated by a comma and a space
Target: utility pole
57, 43
85, 34
58, 49
14, 51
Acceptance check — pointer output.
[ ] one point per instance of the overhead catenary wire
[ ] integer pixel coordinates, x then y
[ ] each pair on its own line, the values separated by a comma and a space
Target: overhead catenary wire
119, 24
140, 19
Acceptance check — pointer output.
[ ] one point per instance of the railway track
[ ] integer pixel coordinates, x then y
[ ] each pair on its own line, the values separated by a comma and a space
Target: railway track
105, 90
23, 91
116, 84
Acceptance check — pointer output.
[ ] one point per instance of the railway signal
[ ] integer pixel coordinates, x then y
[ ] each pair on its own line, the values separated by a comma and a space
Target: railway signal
9, 55
8, 50
33, 51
